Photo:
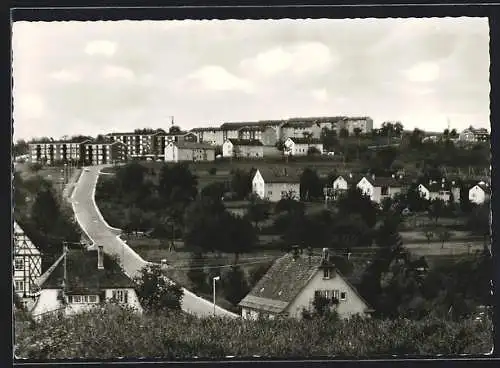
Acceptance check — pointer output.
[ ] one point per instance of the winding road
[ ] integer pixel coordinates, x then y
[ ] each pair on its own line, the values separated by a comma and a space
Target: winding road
100, 233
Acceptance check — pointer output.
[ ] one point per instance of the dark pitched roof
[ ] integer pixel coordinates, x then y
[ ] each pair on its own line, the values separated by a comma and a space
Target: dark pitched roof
205, 129
279, 176
298, 124
352, 179
259, 128
305, 140
285, 279
193, 145
82, 275
321, 119
237, 125
384, 181
245, 142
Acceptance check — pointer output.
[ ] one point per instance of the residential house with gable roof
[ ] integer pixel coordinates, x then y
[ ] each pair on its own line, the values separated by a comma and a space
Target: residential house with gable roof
189, 151
273, 185
301, 146
242, 148
343, 182
480, 193
378, 188
211, 135
81, 279
444, 190
290, 285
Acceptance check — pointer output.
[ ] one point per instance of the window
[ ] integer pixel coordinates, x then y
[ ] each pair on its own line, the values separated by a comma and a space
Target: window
19, 285
326, 273
385, 190
269, 192
343, 295
82, 299
121, 296
19, 263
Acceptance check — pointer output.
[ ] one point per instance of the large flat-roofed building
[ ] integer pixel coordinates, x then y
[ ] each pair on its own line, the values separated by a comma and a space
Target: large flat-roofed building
139, 144
104, 152
54, 152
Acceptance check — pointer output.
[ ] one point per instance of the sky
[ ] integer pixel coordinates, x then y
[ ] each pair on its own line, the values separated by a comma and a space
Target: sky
109, 76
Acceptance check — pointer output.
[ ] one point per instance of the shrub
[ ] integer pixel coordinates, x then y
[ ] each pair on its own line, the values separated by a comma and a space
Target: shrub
212, 171
175, 335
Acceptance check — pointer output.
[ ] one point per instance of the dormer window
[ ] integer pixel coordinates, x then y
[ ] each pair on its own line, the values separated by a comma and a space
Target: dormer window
326, 273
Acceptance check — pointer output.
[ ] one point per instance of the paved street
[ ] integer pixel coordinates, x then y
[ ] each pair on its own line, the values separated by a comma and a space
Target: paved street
99, 232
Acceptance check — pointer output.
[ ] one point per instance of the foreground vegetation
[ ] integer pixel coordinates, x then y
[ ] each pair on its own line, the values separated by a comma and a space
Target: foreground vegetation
181, 336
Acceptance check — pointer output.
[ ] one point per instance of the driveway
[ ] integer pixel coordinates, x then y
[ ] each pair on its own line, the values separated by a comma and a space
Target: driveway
91, 221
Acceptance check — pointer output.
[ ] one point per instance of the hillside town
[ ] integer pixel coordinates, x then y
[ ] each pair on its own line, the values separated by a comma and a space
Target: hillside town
356, 225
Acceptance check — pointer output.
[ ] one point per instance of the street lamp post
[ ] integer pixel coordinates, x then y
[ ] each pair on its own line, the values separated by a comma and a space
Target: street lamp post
216, 278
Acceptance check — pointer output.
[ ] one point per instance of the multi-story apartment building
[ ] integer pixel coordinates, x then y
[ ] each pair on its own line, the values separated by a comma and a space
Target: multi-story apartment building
364, 123
210, 135
301, 129
139, 144
161, 140
104, 152
54, 152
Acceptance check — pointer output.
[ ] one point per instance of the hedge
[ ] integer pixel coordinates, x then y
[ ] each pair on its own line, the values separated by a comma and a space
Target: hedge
111, 332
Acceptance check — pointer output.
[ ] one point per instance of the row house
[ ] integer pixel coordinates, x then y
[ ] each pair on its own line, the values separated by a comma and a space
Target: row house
54, 152
301, 146
138, 144
242, 148
294, 281
274, 186
27, 265
189, 151
104, 152
266, 134
210, 135
301, 129
81, 279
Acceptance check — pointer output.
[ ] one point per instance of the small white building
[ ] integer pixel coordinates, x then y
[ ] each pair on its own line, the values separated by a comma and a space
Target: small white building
301, 146
273, 186
379, 188
82, 279
424, 192
479, 193
291, 284
27, 265
242, 148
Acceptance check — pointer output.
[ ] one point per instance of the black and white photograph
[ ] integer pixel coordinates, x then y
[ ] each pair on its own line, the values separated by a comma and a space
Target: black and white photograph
245, 189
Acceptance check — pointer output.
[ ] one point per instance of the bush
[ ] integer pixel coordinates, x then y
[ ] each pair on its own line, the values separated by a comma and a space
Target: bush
112, 332
212, 171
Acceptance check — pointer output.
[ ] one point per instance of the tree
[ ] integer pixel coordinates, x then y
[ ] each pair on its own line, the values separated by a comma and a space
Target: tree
156, 293
313, 151
45, 210
174, 129
234, 285
329, 139
429, 234
214, 190
479, 222
177, 184
310, 185
20, 148
196, 272
354, 201
436, 209
240, 235
255, 274
344, 133
241, 183
258, 210
416, 138
289, 205
444, 235
35, 167
131, 177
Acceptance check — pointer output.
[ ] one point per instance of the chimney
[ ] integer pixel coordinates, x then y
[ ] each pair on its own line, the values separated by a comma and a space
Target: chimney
373, 176
284, 171
350, 175
100, 256
400, 176
393, 176
326, 255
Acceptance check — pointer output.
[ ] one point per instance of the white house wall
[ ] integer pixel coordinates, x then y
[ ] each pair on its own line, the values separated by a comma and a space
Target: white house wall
258, 186
367, 188
340, 184
477, 195
274, 191
227, 149
423, 191
352, 305
133, 300
47, 302
171, 154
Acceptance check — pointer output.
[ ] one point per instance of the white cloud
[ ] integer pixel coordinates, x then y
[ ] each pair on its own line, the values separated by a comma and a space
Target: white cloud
65, 75
117, 72
216, 78
320, 94
101, 47
300, 58
423, 72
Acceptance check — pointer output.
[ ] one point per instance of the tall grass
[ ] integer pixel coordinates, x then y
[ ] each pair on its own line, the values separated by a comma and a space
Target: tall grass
113, 332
